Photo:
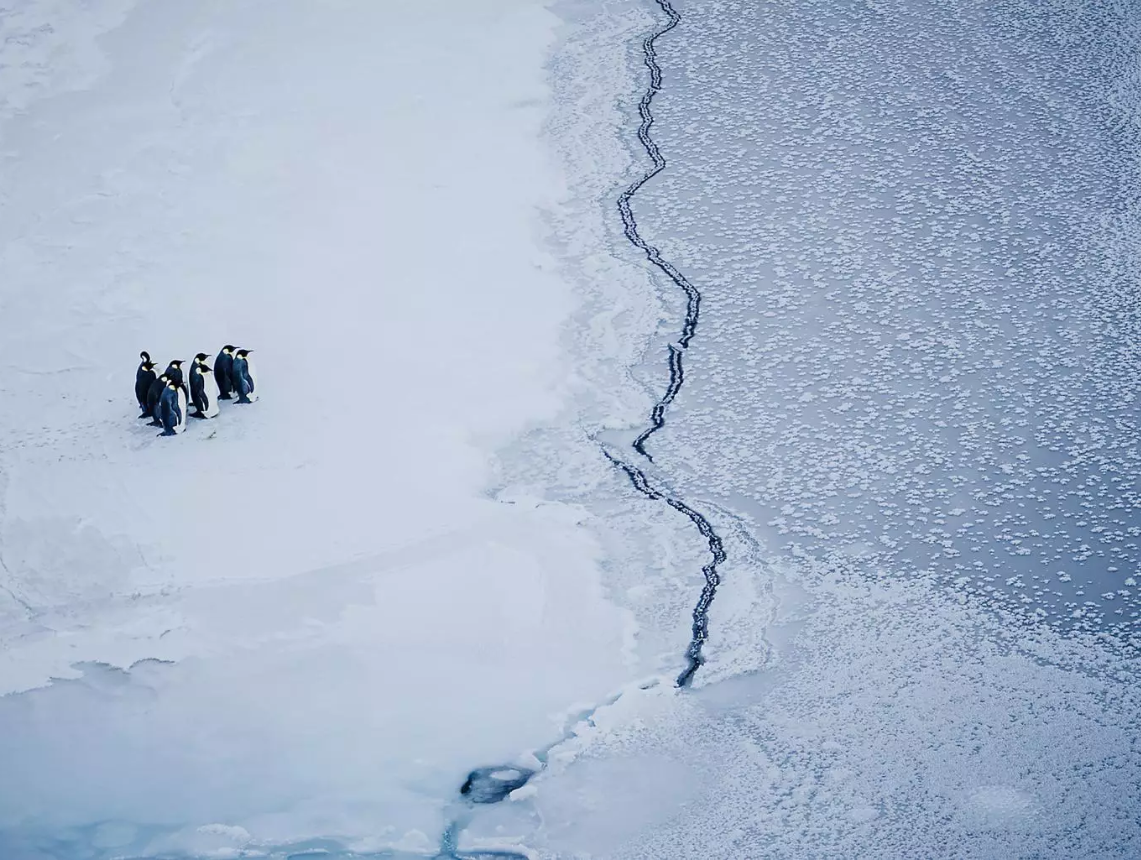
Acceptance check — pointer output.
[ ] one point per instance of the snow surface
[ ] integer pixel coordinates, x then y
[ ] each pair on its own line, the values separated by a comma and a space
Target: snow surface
299, 627
306, 617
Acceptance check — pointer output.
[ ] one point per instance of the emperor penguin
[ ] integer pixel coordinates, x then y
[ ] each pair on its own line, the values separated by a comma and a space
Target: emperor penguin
208, 393
196, 382
174, 371
154, 395
144, 376
172, 407
223, 372
245, 377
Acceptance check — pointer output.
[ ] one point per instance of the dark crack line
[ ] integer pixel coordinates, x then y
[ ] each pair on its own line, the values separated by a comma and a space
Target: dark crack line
677, 351
630, 228
483, 785
700, 630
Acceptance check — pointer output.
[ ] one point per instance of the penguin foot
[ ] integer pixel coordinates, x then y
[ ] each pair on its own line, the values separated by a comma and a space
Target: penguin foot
244, 400
225, 397
167, 433
197, 415
154, 423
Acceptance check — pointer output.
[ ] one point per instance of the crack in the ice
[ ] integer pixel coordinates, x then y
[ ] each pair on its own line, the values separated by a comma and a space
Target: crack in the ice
630, 228
677, 350
489, 785
700, 630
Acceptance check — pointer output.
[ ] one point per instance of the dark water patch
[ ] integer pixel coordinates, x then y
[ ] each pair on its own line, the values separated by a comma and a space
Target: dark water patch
493, 784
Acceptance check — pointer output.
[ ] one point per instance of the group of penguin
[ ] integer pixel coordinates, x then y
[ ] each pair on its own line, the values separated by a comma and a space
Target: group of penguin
164, 399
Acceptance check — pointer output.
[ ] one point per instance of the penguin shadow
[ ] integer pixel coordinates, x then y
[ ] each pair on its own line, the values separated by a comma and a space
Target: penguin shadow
201, 428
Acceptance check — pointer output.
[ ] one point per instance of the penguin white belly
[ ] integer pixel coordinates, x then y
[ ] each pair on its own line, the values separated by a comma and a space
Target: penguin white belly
253, 378
210, 395
180, 425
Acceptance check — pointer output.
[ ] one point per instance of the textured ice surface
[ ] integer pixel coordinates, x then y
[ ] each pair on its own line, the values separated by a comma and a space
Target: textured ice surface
913, 224
883, 715
903, 187
894, 727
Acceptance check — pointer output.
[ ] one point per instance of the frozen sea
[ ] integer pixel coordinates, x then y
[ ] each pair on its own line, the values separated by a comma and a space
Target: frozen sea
431, 596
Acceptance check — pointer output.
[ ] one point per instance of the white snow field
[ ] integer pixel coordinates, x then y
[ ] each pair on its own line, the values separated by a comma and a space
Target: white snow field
294, 630
308, 617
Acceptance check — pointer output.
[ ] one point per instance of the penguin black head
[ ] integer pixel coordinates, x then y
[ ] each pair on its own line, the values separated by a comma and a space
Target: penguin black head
176, 363
201, 357
164, 378
148, 364
205, 368
242, 353
170, 383
228, 348
145, 356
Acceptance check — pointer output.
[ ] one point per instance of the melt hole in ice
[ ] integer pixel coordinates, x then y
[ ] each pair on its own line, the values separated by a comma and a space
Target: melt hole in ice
493, 784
